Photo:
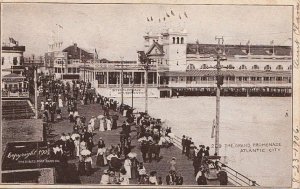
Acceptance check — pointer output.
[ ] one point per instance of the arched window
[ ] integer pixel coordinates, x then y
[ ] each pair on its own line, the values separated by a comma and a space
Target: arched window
182, 40
279, 67
204, 66
267, 67
255, 67
177, 40
243, 67
190, 67
173, 40
230, 66
290, 67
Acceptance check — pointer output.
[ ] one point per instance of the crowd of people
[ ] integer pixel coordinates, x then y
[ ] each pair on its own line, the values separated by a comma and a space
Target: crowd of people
120, 162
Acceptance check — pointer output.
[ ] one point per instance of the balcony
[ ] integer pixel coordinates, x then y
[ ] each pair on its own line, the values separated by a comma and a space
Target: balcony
14, 94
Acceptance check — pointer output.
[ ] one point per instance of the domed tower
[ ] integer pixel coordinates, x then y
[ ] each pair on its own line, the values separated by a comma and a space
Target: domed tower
174, 43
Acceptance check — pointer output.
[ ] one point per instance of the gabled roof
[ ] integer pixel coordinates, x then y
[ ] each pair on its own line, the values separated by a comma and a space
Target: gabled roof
158, 46
75, 52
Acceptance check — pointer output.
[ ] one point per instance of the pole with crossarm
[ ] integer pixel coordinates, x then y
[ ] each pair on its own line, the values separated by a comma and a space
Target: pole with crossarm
219, 78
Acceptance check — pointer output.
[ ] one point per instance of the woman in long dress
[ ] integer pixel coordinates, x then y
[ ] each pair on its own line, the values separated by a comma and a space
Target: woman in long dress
127, 166
60, 103
77, 144
108, 124
134, 167
101, 159
42, 106
101, 125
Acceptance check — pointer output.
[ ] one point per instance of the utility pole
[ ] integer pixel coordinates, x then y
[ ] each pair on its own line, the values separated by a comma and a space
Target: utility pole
146, 84
219, 83
132, 90
122, 98
35, 92
145, 60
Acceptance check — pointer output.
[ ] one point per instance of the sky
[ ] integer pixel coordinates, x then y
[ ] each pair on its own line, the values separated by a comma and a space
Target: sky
117, 30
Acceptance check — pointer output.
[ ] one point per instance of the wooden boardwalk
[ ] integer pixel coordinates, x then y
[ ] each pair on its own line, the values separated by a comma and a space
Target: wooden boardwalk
184, 165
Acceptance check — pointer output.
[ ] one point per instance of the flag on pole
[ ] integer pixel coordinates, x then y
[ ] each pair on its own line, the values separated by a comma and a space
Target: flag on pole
172, 13
151, 18
248, 43
185, 15
167, 14
148, 19
213, 129
179, 17
272, 42
59, 26
164, 18
159, 19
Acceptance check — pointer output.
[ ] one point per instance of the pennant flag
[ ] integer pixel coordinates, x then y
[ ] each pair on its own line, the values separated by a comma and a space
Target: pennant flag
167, 14
12, 40
172, 13
179, 17
151, 18
185, 15
164, 18
147, 19
59, 26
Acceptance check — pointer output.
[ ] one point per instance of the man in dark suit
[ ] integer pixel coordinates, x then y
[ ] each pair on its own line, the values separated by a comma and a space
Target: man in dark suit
170, 178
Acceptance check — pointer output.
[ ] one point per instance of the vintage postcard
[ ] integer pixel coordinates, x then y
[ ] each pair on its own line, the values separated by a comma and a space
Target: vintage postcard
150, 94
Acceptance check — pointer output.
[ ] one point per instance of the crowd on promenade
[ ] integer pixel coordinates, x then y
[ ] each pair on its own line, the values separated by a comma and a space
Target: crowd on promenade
121, 163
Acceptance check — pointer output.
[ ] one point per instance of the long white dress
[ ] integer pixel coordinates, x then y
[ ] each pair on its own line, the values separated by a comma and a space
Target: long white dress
124, 112
77, 144
101, 125
127, 166
60, 103
108, 124
42, 106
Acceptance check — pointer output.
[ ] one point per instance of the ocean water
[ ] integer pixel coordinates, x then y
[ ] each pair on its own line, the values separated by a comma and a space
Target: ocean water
247, 124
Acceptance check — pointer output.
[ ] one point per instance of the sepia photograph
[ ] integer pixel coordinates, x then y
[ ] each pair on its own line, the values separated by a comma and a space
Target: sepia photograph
147, 94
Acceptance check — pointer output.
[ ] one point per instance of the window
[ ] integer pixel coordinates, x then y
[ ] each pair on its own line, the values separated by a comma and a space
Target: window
230, 66
266, 78
243, 67
15, 61
290, 67
204, 66
2, 60
55, 70
177, 40
69, 70
182, 40
255, 67
173, 40
279, 67
267, 68
190, 67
